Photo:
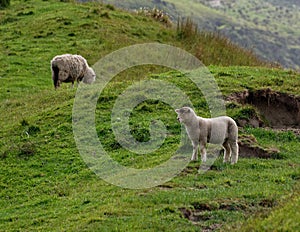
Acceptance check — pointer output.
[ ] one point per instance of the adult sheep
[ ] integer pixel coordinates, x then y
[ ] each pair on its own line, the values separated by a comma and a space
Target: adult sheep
71, 68
220, 130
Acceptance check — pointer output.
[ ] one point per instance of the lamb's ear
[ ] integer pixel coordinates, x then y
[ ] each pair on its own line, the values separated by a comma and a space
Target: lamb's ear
188, 110
177, 111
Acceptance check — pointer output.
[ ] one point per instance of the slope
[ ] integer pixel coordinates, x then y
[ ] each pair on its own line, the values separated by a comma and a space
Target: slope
44, 183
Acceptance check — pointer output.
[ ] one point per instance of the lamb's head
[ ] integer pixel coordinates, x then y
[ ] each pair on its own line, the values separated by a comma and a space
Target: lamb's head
185, 114
89, 76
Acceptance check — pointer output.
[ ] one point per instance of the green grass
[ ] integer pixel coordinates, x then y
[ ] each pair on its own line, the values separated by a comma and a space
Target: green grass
46, 186
241, 78
282, 219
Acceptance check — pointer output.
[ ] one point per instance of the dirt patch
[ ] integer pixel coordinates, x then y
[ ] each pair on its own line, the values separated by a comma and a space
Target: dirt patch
194, 215
249, 147
166, 186
197, 216
281, 110
265, 108
199, 212
189, 170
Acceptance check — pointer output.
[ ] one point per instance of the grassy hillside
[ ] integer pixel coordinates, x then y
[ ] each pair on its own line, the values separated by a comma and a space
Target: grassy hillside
270, 28
46, 186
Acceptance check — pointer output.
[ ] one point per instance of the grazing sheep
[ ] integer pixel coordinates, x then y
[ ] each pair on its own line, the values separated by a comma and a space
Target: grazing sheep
221, 130
71, 68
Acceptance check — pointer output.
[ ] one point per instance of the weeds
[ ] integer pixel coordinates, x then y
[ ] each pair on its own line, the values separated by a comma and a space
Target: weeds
187, 29
214, 48
4, 4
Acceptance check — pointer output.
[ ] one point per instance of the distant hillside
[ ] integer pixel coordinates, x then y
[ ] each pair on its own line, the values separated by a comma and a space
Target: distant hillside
270, 27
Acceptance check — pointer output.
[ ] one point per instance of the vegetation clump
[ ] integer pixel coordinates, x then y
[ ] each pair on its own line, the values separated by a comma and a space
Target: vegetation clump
215, 48
4, 4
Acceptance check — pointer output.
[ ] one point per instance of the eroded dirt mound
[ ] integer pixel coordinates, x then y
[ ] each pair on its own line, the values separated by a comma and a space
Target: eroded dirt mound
248, 147
281, 110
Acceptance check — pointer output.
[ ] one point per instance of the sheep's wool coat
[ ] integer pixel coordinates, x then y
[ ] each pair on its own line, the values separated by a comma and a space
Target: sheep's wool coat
220, 130
71, 68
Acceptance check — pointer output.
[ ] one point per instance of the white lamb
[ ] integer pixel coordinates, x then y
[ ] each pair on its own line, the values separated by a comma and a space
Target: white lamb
221, 130
71, 68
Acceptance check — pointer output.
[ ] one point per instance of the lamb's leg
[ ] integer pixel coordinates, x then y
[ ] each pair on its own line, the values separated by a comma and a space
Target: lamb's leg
195, 152
227, 152
55, 76
203, 152
235, 152
62, 76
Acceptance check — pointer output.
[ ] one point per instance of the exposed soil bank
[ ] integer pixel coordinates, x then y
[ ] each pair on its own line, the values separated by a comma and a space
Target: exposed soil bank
281, 110
248, 147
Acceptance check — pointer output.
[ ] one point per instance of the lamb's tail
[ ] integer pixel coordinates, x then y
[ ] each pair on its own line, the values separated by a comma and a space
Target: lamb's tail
233, 129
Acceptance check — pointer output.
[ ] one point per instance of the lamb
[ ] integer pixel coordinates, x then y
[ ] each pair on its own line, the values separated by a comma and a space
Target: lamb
220, 130
71, 68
